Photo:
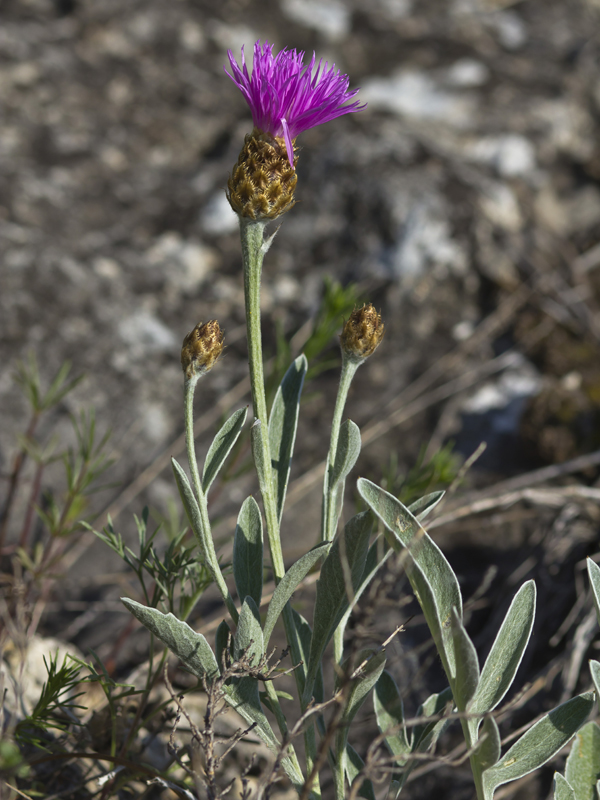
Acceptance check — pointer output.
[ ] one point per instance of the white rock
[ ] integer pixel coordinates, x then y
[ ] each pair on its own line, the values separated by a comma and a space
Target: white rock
501, 207
156, 422
218, 217
415, 94
144, 333
329, 17
511, 30
510, 154
467, 72
186, 262
520, 380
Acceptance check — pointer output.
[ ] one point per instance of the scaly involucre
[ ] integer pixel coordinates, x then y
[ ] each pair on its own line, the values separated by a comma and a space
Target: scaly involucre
284, 96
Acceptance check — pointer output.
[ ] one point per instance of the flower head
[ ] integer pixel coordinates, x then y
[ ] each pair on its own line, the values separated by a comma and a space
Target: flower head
284, 95
362, 333
201, 349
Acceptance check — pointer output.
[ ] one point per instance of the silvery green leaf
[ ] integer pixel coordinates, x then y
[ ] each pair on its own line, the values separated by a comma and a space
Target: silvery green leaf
595, 670
430, 574
562, 790
348, 450
425, 505
282, 427
353, 766
221, 641
540, 743
194, 518
389, 712
467, 664
248, 637
248, 552
303, 638
594, 573
505, 656
488, 752
360, 687
288, 584
332, 589
425, 735
258, 455
583, 764
394, 790
190, 647
378, 554
221, 447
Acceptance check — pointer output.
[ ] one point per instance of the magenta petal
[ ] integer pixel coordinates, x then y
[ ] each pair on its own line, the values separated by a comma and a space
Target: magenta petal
284, 95
288, 141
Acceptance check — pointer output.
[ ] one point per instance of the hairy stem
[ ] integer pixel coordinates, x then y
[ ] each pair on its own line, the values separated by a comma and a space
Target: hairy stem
189, 388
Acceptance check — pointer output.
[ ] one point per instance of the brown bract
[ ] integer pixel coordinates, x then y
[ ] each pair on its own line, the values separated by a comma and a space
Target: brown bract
262, 183
201, 349
362, 332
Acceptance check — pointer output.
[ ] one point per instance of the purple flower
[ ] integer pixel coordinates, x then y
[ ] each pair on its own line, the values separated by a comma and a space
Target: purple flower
284, 96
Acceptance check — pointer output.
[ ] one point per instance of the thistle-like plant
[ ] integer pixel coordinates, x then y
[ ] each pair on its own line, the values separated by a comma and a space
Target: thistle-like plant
285, 98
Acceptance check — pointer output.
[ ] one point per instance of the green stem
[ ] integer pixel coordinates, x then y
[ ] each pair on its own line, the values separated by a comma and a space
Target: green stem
329, 507
207, 542
254, 248
329, 518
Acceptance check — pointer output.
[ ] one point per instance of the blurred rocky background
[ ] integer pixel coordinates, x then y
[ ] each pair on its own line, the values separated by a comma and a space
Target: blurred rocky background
464, 202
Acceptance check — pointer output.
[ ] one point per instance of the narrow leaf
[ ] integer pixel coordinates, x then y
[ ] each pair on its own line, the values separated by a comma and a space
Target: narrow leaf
288, 584
303, 634
258, 456
248, 552
595, 670
389, 712
221, 447
562, 790
194, 518
507, 651
489, 750
348, 450
341, 571
378, 554
359, 690
282, 427
248, 637
583, 764
190, 647
467, 665
354, 765
221, 641
422, 507
540, 743
594, 573
430, 574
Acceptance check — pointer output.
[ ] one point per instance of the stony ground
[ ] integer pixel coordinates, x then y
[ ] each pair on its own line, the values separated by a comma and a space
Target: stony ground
464, 201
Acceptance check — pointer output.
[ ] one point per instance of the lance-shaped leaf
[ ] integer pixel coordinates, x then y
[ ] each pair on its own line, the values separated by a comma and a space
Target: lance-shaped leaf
289, 583
488, 752
583, 764
353, 766
190, 647
595, 670
540, 743
248, 552
422, 507
282, 427
467, 665
222, 640
594, 573
348, 450
258, 454
248, 637
430, 574
340, 573
303, 633
389, 712
562, 790
370, 666
221, 447
505, 656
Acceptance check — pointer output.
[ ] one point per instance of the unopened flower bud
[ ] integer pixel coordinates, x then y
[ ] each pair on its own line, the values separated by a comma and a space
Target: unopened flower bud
263, 180
362, 333
201, 349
